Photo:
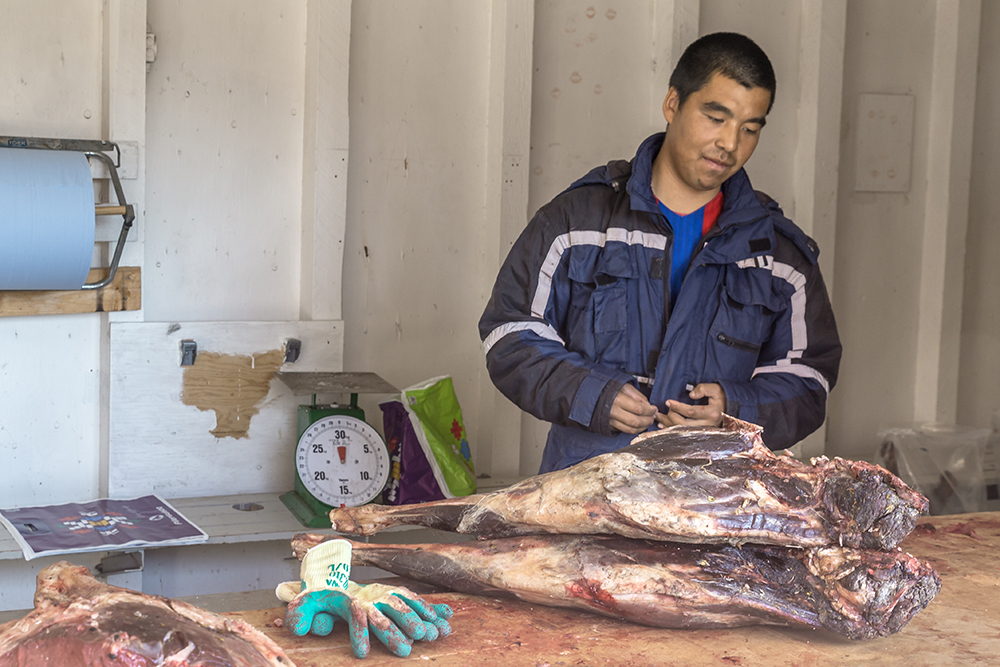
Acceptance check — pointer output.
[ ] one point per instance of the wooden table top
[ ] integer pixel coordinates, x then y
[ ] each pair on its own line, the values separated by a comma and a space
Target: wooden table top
960, 626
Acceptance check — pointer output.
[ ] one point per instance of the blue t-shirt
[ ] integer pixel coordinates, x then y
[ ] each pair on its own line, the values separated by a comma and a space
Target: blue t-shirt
688, 231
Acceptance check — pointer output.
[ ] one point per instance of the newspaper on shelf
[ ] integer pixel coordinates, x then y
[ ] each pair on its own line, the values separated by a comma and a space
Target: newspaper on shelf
99, 525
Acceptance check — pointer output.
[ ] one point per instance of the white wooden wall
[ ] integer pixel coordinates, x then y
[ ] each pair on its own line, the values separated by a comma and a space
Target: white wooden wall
239, 235
255, 202
979, 377
71, 71
588, 108
901, 255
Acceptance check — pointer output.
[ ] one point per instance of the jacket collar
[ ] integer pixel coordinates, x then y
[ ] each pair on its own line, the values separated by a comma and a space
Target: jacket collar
740, 203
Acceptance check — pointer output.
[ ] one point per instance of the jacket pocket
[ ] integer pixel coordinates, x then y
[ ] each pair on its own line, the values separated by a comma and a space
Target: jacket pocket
600, 327
743, 322
610, 304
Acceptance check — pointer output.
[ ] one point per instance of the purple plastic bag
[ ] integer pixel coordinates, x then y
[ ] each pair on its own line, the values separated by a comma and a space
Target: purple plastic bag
411, 479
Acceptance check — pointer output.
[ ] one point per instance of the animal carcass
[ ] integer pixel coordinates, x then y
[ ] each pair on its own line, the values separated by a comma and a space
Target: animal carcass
687, 484
80, 621
856, 593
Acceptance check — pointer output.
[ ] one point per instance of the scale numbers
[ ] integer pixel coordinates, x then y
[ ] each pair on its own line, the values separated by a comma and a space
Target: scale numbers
342, 461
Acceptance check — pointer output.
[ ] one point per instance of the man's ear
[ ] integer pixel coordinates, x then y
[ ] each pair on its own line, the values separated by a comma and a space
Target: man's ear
671, 103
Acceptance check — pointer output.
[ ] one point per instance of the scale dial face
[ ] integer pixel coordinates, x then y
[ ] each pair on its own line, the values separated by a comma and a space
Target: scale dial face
342, 461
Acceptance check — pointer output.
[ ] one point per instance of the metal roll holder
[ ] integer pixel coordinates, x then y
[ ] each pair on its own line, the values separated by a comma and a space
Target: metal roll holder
97, 149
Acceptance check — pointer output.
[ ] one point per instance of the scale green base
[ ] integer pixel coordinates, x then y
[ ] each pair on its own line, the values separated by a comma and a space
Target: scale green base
310, 512
307, 515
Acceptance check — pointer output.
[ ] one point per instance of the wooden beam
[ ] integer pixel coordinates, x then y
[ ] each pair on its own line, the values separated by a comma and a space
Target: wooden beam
124, 293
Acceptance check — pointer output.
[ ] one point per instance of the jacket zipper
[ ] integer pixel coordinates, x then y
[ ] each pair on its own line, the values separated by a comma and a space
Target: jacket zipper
668, 306
738, 344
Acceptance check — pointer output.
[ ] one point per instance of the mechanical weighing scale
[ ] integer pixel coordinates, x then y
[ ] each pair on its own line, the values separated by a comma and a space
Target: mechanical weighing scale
340, 460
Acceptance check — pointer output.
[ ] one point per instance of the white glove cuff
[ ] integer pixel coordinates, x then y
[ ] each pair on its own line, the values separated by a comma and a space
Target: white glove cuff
326, 566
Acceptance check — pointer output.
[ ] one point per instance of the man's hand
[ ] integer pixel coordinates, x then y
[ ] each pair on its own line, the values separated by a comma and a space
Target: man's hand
631, 412
696, 415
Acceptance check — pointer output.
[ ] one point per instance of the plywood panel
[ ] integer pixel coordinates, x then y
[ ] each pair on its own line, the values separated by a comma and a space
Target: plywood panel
413, 249
776, 26
589, 59
50, 68
49, 387
224, 160
162, 427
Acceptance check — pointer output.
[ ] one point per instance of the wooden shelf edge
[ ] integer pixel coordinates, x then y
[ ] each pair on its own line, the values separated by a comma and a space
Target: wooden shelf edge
124, 293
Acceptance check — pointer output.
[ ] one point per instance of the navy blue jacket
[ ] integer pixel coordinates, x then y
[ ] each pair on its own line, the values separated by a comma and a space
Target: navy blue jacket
582, 305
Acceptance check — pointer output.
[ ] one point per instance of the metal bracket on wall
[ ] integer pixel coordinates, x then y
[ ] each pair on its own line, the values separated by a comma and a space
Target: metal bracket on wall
189, 351
292, 347
127, 561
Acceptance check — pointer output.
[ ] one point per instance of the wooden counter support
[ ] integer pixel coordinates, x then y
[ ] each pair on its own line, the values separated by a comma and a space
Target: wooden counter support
124, 293
107, 209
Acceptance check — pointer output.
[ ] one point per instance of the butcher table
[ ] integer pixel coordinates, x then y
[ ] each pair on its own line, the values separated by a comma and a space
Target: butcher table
960, 626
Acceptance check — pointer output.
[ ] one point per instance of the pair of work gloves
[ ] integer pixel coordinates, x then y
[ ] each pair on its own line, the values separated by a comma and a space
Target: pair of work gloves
395, 615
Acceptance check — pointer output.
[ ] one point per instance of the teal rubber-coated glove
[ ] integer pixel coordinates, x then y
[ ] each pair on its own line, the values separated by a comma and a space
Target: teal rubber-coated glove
316, 611
395, 615
411, 613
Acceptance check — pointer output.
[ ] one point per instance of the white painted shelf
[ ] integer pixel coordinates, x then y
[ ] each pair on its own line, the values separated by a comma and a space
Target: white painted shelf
227, 525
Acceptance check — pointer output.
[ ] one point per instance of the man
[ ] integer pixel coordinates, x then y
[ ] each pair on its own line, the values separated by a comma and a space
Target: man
664, 290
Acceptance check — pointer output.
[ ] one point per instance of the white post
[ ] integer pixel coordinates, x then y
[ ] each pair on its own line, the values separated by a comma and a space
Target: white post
817, 152
675, 26
324, 161
949, 159
506, 204
123, 121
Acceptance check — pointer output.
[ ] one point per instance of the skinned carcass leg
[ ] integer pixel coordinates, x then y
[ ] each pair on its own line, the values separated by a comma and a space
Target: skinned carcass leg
859, 594
686, 484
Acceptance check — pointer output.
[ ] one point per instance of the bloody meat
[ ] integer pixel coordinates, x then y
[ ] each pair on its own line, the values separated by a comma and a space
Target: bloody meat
80, 621
856, 593
687, 484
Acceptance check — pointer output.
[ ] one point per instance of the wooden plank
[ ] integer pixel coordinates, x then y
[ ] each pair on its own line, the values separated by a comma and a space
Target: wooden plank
224, 524
124, 293
109, 209
325, 158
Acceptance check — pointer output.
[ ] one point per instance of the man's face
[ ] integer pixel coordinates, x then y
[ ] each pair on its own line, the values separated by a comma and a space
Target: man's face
714, 133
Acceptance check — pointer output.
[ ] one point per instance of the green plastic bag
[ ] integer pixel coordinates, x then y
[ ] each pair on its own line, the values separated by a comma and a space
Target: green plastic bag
437, 420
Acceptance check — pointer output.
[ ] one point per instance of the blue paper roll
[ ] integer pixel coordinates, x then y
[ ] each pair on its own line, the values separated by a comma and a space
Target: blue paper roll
46, 219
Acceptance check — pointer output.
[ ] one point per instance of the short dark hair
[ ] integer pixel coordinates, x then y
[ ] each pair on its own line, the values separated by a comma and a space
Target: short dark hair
728, 53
